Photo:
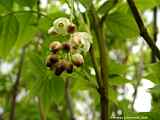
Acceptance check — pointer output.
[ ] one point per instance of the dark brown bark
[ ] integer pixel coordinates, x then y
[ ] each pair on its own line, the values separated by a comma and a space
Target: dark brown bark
143, 31
16, 86
155, 32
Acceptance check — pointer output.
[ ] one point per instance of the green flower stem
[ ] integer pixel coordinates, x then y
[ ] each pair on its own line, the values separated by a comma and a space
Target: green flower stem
103, 88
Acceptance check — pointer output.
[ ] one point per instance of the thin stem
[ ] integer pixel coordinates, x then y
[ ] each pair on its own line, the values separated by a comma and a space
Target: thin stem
68, 4
138, 76
103, 88
68, 98
16, 85
73, 15
72, 10
92, 53
143, 31
155, 32
95, 65
71, 6
155, 28
41, 110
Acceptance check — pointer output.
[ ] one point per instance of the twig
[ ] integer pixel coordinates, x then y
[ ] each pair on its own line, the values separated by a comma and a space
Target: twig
41, 110
73, 15
155, 32
68, 4
68, 98
95, 65
103, 88
143, 31
93, 59
138, 76
155, 28
16, 85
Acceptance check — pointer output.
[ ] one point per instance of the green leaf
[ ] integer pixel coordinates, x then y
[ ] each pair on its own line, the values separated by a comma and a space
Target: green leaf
113, 94
80, 82
42, 82
152, 115
107, 6
9, 29
117, 80
27, 29
123, 105
7, 4
146, 4
58, 84
23, 113
156, 89
1, 25
157, 1
116, 69
122, 25
86, 3
153, 72
29, 3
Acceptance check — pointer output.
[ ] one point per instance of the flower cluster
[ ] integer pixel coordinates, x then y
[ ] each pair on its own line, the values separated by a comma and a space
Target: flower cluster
67, 56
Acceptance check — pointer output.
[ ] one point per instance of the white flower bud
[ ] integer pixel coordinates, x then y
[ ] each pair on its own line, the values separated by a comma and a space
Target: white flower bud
81, 39
77, 59
52, 30
61, 25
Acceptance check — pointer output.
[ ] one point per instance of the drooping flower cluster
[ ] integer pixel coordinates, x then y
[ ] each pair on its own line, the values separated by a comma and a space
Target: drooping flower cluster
62, 26
67, 56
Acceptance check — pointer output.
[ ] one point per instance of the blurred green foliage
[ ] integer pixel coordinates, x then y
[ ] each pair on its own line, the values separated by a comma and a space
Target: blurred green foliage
23, 22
